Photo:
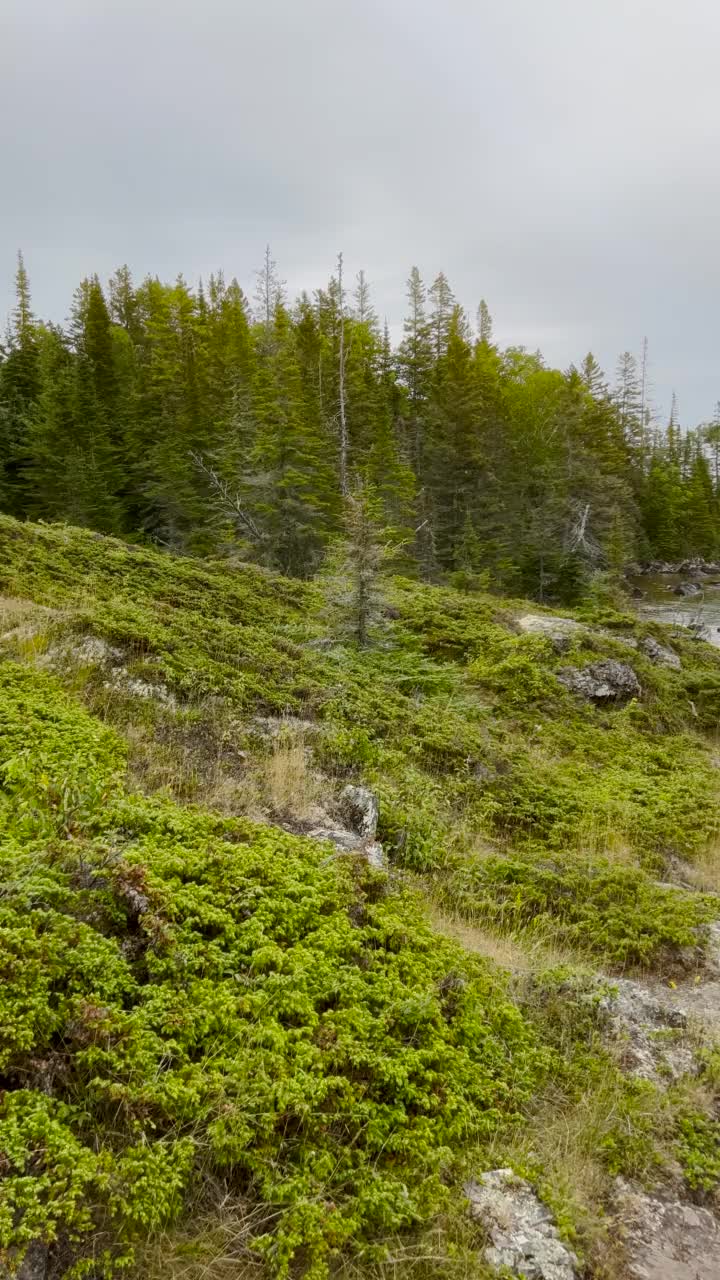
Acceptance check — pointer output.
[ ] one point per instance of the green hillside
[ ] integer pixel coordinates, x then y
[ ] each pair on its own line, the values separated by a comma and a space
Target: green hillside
227, 1049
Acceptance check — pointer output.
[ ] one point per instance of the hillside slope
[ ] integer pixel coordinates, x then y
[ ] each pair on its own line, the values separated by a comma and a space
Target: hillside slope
230, 1048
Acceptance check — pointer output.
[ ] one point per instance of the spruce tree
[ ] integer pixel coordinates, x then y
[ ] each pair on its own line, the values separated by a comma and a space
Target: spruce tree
19, 388
291, 485
415, 360
484, 323
442, 308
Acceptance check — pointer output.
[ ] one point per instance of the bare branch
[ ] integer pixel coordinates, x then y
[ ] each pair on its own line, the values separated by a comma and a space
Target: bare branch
226, 499
578, 536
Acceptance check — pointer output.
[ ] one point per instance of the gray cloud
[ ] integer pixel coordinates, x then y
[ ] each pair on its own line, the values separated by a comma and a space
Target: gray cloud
558, 158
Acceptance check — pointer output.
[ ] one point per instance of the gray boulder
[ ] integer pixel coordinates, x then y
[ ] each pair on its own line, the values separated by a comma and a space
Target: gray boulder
666, 1238
349, 842
523, 1237
559, 631
660, 654
359, 809
606, 681
687, 589
649, 1030
34, 1265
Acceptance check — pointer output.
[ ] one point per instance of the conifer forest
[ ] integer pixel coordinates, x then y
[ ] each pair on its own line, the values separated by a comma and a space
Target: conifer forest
203, 421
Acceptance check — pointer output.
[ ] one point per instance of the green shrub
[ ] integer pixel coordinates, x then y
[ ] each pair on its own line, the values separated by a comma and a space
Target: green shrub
698, 1149
615, 912
214, 998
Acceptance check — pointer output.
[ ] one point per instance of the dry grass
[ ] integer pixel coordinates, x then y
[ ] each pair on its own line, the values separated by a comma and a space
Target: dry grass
199, 764
567, 1146
518, 953
291, 787
191, 763
704, 872
214, 1245
14, 611
214, 1242
25, 627
604, 837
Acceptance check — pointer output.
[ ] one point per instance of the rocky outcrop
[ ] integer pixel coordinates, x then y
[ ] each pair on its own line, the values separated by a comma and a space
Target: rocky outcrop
660, 654
695, 566
93, 651
602, 682
698, 564
358, 809
523, 1239
34, 1265
648, 1032
559, 631
350, 842
562, 632
687, 589
666, 1238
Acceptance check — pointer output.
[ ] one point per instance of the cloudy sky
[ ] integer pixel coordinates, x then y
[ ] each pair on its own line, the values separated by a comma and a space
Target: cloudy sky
558, 157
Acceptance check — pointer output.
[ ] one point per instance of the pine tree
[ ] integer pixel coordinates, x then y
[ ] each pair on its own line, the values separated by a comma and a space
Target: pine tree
19, 387
700, 514
72, 470
269, 292
455, 446
662, 506
628, 397
353, 574
363, 310
442, 307
712, 438
484, 323
291, 485
415, 358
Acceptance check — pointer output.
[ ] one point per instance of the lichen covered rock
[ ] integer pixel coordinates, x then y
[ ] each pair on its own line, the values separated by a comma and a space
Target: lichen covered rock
667, 1238
660, 654
523, 1237
359, 808
649, 1032
606, 681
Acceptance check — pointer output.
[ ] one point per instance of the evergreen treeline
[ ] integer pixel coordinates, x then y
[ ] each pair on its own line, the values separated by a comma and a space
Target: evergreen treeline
204, 423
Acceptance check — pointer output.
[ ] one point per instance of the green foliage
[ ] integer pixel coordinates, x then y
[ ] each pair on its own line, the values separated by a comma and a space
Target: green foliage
616, 912
698, 1149
517, 670
188, 1000
157, 398
213, 998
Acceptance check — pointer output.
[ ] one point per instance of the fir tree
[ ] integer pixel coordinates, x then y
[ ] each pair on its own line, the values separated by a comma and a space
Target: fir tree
484, 323
415, 360
19, 388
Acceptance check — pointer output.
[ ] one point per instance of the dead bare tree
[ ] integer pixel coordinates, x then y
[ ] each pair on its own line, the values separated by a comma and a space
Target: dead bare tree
579, 540
342, 404
227, 500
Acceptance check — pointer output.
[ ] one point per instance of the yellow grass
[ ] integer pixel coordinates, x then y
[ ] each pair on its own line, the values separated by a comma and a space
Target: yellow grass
288, 781
704, 872
519, 954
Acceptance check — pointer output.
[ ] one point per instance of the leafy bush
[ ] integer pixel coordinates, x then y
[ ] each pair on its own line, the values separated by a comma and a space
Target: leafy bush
698, 1149
212, 998
188, 1000
616, 912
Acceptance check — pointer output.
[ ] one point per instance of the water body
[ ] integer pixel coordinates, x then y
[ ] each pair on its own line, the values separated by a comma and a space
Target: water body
700, 613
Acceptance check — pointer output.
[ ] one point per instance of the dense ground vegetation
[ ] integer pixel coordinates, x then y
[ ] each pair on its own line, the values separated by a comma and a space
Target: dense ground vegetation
227, 1051
185, 417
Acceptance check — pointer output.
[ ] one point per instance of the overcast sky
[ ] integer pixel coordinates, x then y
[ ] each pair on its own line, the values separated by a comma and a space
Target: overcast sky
557, 157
